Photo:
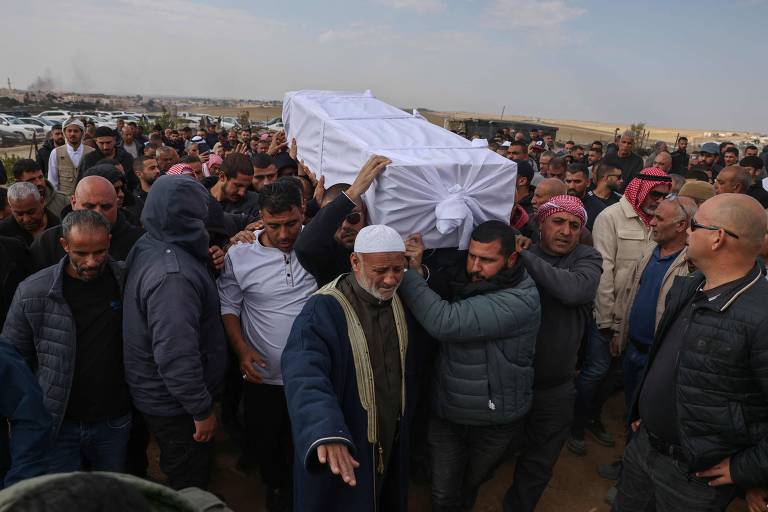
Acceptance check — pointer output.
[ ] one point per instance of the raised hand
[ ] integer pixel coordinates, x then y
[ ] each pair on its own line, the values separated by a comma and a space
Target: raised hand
369, 172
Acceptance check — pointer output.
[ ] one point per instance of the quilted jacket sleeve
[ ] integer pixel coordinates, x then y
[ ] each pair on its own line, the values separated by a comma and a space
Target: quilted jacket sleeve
481, 317
749, 467
18, 329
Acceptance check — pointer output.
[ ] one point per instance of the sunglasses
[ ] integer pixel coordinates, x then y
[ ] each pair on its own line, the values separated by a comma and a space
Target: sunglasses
695, 225
353, 218
657, 195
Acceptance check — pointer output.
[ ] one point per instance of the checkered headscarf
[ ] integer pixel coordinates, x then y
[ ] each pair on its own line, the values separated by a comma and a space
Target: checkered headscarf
639, 187
181, 169
567, 204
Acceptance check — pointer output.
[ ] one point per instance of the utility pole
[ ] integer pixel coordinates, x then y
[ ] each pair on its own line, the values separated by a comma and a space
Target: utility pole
9, 84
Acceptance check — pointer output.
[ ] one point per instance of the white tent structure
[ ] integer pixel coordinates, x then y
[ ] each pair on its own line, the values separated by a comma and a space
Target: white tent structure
439, 184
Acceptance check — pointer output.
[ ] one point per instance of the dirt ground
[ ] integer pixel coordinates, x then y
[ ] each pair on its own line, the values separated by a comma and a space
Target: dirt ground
575, 486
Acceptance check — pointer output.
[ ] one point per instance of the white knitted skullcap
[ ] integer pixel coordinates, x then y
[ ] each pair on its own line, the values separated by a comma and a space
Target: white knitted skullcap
378, 238
73, 121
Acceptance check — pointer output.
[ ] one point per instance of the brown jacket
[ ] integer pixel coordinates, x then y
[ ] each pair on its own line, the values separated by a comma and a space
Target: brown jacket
621, 237
626, 297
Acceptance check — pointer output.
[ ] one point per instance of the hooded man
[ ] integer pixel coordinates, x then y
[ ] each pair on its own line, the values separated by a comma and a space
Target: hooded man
345, 384
621, 232
175, 347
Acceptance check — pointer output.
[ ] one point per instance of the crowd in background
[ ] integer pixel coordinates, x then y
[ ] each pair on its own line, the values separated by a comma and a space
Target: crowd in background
171, 284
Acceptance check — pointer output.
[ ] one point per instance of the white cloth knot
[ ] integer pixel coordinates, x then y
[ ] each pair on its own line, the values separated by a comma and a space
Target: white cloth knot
453, 213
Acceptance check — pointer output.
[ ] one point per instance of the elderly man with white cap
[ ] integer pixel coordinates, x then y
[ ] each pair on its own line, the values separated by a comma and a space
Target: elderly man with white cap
64, 160
345, 383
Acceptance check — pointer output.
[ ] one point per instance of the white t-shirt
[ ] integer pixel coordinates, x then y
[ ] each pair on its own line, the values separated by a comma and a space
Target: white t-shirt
267, 289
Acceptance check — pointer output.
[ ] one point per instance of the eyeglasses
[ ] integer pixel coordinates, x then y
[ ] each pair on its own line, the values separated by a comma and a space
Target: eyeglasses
672, 196
695, 225
354, 218
657, 195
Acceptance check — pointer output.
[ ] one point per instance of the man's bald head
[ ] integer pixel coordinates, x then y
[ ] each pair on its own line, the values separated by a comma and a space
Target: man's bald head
553, 187
740, 214
764, 250
733, 179
97, 194
545, 190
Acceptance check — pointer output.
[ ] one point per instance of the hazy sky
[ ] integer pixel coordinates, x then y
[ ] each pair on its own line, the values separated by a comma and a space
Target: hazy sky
684, 64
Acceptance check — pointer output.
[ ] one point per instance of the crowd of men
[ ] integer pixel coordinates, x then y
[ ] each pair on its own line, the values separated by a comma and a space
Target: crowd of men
172, 285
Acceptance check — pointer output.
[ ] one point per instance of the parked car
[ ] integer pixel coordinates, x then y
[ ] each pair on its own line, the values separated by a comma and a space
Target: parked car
42, 122
229, 122
38, 130
127, 118
27, 133
56, 115
10, 136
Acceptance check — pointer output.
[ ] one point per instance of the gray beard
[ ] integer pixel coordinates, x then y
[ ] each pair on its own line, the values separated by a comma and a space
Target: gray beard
368, 287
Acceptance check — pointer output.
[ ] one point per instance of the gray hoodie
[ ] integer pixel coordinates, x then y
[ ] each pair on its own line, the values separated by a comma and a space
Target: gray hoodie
175, 349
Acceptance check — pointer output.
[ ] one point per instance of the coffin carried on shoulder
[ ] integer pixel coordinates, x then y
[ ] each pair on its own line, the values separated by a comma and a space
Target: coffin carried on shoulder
439, 184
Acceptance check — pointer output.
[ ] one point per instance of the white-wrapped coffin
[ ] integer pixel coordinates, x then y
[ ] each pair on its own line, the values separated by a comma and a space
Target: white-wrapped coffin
439, 184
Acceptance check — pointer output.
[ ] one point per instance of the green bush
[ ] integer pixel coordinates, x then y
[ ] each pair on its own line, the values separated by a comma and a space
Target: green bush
8, 161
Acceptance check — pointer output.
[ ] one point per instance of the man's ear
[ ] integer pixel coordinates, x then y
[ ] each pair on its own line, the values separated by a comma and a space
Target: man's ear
356, 261
64, 244
222, 176
512, 260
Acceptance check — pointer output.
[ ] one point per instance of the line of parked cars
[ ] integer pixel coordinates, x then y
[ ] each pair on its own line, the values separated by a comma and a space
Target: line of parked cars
24, 129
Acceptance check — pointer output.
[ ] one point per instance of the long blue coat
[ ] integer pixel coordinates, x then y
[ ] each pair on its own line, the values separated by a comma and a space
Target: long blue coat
324, 406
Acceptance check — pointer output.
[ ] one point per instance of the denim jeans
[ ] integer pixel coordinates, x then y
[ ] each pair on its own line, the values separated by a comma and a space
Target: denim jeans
99, 446
634, 364
651, 481
463, 457
594, 370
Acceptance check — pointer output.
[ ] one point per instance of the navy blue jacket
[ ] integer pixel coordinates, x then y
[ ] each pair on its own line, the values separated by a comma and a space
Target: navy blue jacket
324, 406
21, 405
175, 349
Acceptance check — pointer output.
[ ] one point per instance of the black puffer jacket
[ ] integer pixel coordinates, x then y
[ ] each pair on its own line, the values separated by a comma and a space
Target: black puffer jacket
721, 381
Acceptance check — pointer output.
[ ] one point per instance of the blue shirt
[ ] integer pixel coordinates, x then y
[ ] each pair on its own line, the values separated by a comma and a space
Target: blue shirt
642, 318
